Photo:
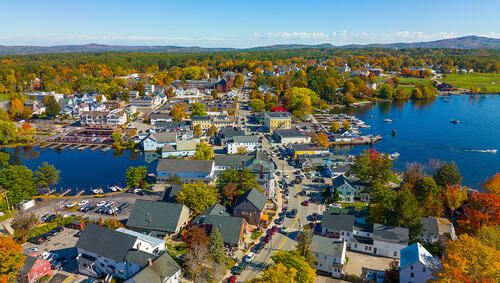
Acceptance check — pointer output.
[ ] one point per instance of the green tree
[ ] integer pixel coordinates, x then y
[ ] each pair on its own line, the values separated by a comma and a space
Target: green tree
4, 159
8, 132
292, 259
335, 127
277, 273
52, 107
406, 213
135, 176
304, 244
373, 167
212, 131
18, 181
203, 152
386, 91
197, 130
448, 175
257, 105
198, 109
238, 81
336, 195
216, 246
46, 176
140, 88
244, 179
198, 196
23, 224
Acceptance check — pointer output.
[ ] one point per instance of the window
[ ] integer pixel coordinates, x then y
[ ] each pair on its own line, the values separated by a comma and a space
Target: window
395, 253
122, 272
411, 267
412, 274
347, 234
355, 245
342, 233
423, 270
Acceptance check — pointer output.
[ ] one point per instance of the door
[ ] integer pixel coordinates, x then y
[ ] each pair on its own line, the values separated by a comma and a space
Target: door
375, 251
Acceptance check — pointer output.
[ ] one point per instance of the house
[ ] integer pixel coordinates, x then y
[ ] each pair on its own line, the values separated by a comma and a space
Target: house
97, 106
77, 225
146, 103
345, 189
346, 136
436, 230
157, 218
147, 243
157, 140
237, 162
376, 71
232, 228
311, 149
102, 252
286, 136
116, 117
162, 126
180, 148
204, 122
221, 121
114, 104
156, 117
339, 226
33, 269
388, 241
249, 143
130, 109
187, 170
344, 68
37, 108
417, 264
277, 120
227, 133
251, 206
170, 193
330, 255
163, 269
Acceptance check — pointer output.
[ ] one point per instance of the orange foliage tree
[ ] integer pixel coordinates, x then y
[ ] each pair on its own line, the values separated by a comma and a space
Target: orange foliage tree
492, 185
483, 209
11, 259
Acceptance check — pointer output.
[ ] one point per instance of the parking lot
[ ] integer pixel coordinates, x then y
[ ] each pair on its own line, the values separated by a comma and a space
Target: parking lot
360, 263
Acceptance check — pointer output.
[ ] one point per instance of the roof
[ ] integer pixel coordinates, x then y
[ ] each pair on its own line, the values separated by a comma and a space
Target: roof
338, 222
139, 257
308, 147
155, 116
229, 226
171, 192
276, 115
290, 133
200, 118
185, 165
187, 144
216, 209
363, 227
253, 139
390, 234
231, 132
430, 225
162, 268
106, 242
417, 253
28, 264
155, 215
231, 160
341, 180
154, 241
172, 125
255, 197
164, 137
327, 246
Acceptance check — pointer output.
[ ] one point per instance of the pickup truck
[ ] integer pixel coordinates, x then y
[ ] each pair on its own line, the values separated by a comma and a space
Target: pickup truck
238, 269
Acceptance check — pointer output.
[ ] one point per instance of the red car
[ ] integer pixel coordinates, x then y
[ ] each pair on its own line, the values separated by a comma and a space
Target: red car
231, 279
274, 229
305, 203
266, 239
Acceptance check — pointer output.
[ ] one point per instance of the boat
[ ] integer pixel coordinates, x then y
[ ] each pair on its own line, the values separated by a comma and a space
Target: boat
454, 121
446, 100
97, 191
115, 188
388, 120
394, 155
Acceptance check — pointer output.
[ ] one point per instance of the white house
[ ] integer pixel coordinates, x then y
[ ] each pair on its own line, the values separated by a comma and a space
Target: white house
145, 243
346, 136
157, 140
286, 136
249, 143
329, 255
344, 187
433, 229
102, 252
388, 241
417, 264
180, 148
116, 117
164, 269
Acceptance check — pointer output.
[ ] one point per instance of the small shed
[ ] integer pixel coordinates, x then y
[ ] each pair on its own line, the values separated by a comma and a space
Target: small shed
77, 225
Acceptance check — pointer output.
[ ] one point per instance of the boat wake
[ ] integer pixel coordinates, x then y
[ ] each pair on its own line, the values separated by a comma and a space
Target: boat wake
484, 150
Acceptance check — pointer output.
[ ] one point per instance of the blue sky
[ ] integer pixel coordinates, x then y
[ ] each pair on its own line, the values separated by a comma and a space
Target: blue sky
213, 23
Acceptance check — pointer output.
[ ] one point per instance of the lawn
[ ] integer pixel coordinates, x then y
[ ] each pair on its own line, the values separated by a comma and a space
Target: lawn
4, 96
490, 83
357, 205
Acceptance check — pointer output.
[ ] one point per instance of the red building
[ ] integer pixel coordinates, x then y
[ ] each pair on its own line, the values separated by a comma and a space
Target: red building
33, 269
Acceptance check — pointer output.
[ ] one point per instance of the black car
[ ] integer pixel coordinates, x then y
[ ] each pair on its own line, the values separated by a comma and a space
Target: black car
45, 236
279, 220
59, 229
257, 248
293, 212
36, 240
52, 232
78, 234
123, 205
50, 218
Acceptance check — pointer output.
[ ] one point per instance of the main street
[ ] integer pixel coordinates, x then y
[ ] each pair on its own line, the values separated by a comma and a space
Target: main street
280, 241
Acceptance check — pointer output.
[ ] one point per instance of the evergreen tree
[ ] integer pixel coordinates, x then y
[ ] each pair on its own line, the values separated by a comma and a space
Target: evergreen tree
217, 246
53, 107
336, 195
304, 244
46, 176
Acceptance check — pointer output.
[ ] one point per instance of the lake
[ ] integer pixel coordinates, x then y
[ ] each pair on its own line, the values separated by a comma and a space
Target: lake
424, 131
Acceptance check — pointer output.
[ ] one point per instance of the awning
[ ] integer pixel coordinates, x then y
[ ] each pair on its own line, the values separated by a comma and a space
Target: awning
264, 217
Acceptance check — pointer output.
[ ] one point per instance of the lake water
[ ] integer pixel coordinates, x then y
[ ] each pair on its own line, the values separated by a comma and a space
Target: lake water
424, 131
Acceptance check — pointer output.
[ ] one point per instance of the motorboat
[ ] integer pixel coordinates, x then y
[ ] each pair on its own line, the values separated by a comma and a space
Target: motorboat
388, 120
454, 121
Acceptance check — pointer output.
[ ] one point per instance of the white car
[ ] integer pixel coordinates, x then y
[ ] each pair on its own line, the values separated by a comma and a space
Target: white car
83, 202
71, 204
249, 257
101, 203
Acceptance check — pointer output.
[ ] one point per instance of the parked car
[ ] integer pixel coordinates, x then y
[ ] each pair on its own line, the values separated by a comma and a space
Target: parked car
238, 269
305, 203
249, 257
274, 230
231, 279
59, 229
36, 240
257, 248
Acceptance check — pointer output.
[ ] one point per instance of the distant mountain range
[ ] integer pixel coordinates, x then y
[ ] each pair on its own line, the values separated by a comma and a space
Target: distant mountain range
465, 42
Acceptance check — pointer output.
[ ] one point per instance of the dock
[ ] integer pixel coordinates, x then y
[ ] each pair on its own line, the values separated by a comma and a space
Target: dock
45, 145
84, 147
64, 146
95, 147
66, 192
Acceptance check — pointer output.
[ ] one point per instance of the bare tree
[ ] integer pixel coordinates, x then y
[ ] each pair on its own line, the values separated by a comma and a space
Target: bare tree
435, 164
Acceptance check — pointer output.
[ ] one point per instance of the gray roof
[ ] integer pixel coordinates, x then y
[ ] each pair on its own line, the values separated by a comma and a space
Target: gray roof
336, 222
304, 147
254, 139
184, 165
171, 192
289, 133
106, 242
231, 160
200, 118
430, 225
28, 264
139, 257
162, 268
155, 215
216, 209
278, 114
390, 234
231, 132
341, 180
172, 125
255, 197
229, 226
155, 116
164, 137
327, 246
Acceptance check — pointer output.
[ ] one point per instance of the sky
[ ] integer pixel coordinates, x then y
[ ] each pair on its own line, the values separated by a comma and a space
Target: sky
241, 24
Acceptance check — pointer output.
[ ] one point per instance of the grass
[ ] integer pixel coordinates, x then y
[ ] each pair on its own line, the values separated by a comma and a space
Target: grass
476, 80
256, 234
357, 205
7, 215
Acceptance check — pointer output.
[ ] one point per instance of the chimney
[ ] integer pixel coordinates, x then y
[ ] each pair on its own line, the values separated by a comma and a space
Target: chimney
150, 261
261, 171
139, 246
242, 164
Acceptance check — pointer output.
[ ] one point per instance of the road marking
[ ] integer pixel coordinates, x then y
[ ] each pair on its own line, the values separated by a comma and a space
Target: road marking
69, 277
294, 222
